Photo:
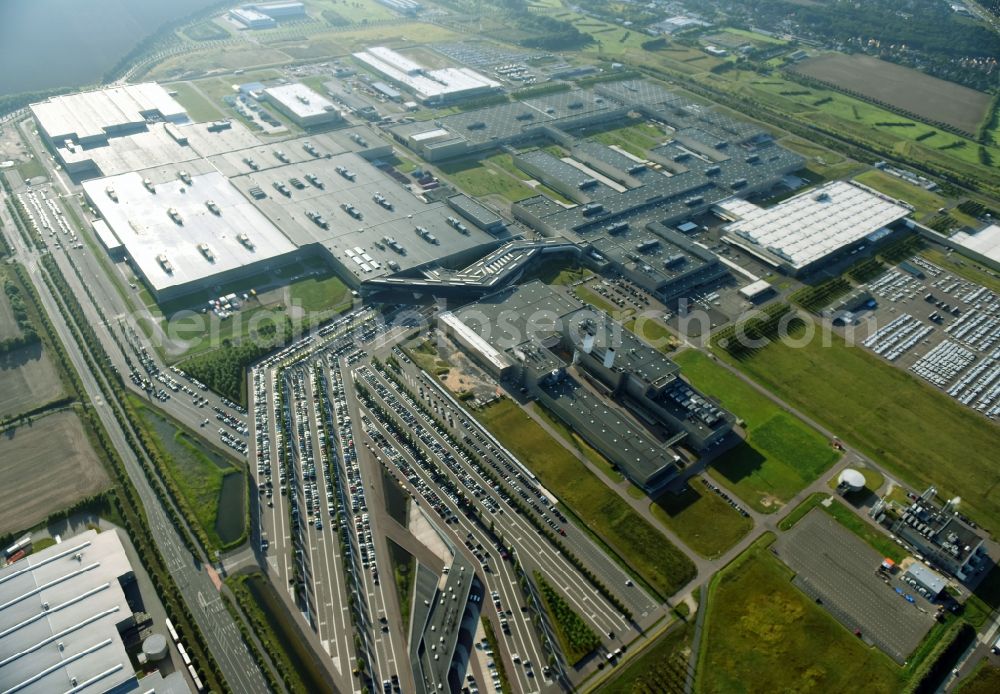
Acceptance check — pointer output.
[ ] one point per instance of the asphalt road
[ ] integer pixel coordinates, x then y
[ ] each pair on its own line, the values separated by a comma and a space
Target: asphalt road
192, 577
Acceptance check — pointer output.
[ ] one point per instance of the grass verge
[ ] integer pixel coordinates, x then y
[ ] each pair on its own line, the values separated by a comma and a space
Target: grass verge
887, 416
403, 568
781, 455
661, 667
654, 558
281, 638
576, 638
704, 522
762, 634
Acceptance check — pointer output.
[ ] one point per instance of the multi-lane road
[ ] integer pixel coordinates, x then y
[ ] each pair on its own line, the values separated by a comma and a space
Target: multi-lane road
190, 574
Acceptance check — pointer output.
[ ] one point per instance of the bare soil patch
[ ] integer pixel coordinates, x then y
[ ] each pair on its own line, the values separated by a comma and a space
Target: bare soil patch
930, 98
27, 380
46, 466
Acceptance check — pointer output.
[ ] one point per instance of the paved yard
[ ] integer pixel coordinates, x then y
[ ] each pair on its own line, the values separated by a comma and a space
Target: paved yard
838, 569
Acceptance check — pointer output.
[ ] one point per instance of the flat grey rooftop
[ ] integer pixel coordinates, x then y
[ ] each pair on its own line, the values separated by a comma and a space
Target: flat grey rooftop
141, 221
58, 614
618, 439
347, 233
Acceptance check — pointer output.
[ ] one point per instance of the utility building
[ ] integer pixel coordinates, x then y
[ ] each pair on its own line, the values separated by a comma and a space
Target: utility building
941, 536
305, 107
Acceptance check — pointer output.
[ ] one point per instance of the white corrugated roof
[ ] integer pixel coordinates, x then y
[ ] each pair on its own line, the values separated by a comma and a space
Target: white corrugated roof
810, 226
484, 348
426, 84
91, 114
300, 100
59, 608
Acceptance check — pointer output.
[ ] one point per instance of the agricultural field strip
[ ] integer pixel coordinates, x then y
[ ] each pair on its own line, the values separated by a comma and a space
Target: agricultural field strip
930, 98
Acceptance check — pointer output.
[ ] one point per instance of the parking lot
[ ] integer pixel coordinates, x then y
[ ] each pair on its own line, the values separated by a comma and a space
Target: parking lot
943, 328
839, 570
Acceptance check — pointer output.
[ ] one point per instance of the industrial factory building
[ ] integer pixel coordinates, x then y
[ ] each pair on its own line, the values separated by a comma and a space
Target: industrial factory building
431, 87
624, 397
304, 106
69, 615
90, 119
813, 227
186, 231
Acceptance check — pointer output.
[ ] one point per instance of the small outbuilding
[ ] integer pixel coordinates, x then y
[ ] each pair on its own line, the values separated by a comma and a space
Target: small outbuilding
920, 576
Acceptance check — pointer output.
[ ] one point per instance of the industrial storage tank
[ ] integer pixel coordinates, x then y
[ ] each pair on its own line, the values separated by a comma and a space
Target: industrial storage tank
155, 647
851, 479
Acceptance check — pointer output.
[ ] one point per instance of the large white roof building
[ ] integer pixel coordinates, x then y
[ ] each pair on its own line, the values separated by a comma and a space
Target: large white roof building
93, 116
174, 237
811, 226
302, 104
63, 611
429, 86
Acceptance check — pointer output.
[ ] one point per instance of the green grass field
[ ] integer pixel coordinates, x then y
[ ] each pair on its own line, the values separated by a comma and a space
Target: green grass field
782, 454
635, 139
556, 272
763, 635
660, 667
30, 168
700, 517
654, 333
917, 432
641, 546
324, 293
589, 296
478, 179
858, 120
199, 108
985, 680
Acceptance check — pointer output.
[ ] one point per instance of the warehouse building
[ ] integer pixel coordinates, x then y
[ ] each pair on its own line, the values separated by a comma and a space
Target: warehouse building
929, 582
90, 118
431, 87
941, 536
280, 10
186, 231
624, 397
251, 18
68, 615
304, 106
479, 130
812, 228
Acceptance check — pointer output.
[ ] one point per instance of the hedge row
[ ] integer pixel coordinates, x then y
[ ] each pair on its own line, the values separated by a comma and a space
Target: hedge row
130, 505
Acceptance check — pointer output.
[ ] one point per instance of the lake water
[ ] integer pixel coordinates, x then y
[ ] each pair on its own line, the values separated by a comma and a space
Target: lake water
67, 43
